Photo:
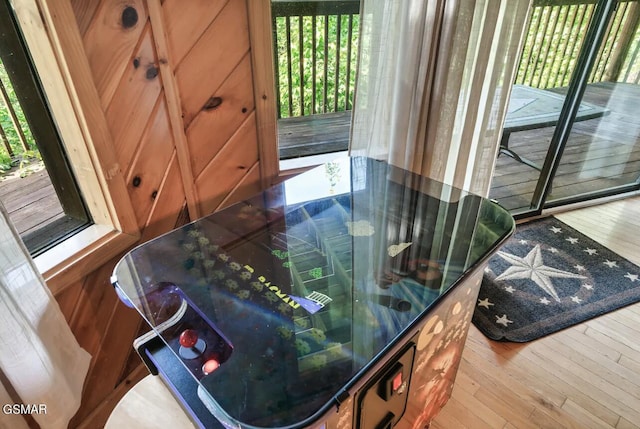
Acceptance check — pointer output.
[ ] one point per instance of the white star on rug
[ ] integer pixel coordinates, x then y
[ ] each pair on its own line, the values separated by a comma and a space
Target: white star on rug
553, 250
484, 303
572, 240
591, 251
503, 320
610, 264
555, 229
587, 286
632, 277
532, 267
544, 301
523, 241
509, 289
576, 299
579, 267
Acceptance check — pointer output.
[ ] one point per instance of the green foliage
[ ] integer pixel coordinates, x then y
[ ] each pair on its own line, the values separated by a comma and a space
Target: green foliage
5, 162
316, 63
10, 131
315, 273
555, 37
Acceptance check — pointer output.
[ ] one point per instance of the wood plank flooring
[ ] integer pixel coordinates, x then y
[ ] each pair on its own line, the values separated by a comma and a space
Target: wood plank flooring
586, 376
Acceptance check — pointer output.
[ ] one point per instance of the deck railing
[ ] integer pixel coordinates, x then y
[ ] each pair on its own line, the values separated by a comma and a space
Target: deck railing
557, 29
316, 50
14, 131
316, 44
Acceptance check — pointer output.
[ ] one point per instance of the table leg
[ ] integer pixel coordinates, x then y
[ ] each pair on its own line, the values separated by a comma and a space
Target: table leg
504, 148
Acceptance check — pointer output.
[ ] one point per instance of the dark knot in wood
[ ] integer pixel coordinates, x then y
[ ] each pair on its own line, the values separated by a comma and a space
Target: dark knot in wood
129, 17
136, 63
136, 181
154, 194
152, 72
244, 110
212, 103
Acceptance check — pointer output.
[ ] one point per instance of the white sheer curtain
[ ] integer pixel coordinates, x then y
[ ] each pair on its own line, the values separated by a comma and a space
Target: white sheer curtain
42, 367
433, 84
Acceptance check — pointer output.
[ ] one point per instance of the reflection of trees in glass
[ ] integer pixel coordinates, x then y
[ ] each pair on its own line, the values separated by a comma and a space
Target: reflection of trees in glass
316, 273
332, 171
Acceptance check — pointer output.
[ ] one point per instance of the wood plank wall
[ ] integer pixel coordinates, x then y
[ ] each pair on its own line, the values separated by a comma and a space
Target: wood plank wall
209, 160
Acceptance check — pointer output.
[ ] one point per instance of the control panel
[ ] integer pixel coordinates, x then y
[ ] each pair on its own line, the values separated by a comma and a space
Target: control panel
382, 402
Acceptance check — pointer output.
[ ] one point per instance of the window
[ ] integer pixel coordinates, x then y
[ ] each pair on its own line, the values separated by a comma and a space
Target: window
55, 50
45, 205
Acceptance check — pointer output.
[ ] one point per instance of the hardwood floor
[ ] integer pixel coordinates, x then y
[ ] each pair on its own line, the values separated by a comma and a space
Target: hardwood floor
587, 376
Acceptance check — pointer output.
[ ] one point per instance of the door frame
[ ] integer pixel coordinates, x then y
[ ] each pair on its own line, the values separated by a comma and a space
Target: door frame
605, 11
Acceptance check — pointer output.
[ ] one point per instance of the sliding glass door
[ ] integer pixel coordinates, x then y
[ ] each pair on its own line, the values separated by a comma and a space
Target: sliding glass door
572, 132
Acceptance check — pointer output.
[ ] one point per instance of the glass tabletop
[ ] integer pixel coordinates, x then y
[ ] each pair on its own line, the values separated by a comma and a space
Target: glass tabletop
279, 303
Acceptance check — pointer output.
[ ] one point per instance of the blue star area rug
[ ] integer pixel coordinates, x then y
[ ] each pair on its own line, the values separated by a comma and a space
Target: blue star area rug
547, 277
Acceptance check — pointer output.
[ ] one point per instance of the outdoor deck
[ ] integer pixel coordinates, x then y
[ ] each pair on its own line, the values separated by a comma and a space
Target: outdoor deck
313, 134
601, 152
31, 201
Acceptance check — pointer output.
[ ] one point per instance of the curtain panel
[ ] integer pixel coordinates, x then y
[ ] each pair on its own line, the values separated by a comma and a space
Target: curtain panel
433, 85
42, 367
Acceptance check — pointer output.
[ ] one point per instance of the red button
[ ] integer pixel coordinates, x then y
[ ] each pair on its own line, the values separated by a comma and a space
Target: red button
210, 366
188, 338
397, 381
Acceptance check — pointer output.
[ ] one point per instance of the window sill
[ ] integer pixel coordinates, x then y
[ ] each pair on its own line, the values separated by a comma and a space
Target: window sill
291, 165
80, 254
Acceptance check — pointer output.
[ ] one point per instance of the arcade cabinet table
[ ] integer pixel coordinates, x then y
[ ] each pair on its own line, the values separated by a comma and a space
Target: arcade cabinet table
340, 298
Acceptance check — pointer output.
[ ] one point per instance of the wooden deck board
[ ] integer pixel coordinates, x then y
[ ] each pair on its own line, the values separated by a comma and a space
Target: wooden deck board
600, 153
313, 135
31, 201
